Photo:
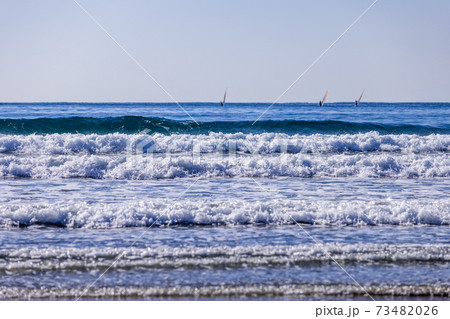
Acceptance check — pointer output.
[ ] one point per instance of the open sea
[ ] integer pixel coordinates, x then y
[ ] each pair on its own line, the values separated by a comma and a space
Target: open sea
136, 201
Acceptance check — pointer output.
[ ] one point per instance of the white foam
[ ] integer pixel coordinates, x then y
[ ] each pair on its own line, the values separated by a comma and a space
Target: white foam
166, 257
232, 212
119, 156
250, 291
266, 143
227, 165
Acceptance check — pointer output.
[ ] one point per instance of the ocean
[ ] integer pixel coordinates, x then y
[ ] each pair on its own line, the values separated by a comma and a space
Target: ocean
136, 201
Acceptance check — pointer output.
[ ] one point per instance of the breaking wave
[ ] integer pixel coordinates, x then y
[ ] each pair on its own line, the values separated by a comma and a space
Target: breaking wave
140, 156
144, 167
265, 143
160, 212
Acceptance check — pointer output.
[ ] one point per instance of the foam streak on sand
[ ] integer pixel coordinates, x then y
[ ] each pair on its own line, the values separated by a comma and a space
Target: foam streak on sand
250, 291
85, 259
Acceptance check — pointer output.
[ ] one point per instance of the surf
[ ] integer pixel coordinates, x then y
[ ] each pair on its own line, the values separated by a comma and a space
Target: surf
207, 212
263, 143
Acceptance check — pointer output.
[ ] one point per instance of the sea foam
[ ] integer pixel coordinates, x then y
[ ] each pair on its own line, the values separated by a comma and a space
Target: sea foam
154, 166
120, 156
27, 260
232, 292
265, 143
159, 212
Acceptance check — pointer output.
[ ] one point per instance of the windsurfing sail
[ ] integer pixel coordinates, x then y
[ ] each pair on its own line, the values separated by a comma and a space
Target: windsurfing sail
321, 103
224, 98
359, 100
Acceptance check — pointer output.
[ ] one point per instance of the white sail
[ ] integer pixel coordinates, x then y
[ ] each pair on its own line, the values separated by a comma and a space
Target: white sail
359, 100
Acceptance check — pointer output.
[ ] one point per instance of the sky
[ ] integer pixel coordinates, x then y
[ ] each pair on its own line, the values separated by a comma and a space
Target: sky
52, 52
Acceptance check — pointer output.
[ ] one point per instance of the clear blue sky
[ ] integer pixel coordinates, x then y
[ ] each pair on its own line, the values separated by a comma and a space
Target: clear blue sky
51, 51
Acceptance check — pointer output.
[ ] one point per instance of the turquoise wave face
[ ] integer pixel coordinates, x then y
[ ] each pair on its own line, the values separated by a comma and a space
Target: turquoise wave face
135, 124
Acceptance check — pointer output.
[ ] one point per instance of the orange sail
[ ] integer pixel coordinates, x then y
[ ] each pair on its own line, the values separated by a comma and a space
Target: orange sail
325, 97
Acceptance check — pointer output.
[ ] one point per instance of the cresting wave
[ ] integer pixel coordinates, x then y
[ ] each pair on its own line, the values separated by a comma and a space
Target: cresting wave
160, 212
249, 291
145, 167
134, 124
265, 143
218, 257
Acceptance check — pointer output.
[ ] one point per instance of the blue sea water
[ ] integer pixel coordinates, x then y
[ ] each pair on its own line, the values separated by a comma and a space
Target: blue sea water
139, 201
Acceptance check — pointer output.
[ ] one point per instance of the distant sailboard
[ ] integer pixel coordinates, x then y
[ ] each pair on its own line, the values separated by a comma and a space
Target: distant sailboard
359, 100
224, 98
321, 103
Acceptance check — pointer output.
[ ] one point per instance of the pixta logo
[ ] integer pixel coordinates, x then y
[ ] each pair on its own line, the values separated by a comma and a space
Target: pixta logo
140, 152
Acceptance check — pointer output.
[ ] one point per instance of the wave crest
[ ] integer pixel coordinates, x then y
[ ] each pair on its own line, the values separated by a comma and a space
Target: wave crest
134, 124
234, 212
143, 167
265, 143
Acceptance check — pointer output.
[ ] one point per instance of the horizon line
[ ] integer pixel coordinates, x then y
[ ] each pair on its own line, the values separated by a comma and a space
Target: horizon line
218, 102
